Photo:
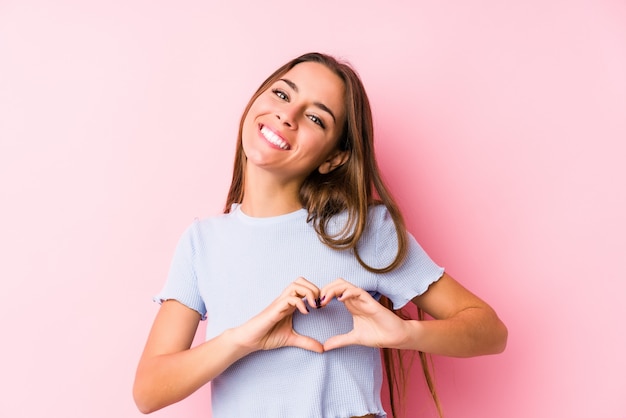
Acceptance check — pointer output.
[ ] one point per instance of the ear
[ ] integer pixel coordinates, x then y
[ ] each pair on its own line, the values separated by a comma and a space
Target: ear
336, 159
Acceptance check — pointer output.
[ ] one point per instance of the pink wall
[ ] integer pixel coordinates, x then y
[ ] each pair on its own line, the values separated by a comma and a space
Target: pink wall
501, 126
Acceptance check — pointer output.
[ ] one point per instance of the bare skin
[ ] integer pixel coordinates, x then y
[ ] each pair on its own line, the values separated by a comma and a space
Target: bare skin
465, 326
170, 369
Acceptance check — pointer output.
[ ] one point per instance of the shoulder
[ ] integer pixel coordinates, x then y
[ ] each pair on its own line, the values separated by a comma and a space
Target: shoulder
380, 223
344, 223
201, 228
378, 214
378, 246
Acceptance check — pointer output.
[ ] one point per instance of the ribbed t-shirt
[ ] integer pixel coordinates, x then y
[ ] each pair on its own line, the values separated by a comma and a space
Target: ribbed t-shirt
230, 267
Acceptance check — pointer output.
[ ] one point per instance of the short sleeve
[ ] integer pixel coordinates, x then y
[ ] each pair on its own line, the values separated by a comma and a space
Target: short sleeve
182, 281
416, 273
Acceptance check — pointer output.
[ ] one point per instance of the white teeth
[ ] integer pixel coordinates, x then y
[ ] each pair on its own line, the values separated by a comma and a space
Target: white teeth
273, 138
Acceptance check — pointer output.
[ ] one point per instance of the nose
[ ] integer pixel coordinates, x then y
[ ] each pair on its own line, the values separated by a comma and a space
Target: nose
287, 116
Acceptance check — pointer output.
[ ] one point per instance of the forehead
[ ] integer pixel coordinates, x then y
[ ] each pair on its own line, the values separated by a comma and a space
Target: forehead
318, 83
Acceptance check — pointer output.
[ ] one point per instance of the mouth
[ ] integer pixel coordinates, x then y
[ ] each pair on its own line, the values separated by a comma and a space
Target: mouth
274, 139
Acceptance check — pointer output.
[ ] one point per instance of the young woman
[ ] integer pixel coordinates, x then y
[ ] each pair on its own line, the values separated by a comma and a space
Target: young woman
293, 277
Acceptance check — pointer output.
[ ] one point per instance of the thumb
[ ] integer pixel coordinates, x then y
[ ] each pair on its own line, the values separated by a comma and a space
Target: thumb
306, 343
339, 341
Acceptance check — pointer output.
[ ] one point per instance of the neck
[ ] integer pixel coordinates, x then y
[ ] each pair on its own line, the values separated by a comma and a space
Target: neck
265, 196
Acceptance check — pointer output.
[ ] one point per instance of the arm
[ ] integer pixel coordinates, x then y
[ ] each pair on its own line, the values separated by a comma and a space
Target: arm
464, 325
169, 370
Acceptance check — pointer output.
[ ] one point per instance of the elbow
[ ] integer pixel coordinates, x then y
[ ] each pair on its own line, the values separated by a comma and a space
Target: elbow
145, 406
500, 337
504, 338
144, 409
142, 404
495, 334
145, 403
491, 338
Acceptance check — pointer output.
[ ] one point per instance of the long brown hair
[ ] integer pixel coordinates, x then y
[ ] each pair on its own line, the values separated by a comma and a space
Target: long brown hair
352, 187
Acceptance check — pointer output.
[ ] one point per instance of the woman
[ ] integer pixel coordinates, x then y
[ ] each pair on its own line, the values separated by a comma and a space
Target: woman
292, 275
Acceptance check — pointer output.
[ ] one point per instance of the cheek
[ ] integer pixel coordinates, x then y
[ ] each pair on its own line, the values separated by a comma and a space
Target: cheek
247, 132
260, 105
249, 120
258, 108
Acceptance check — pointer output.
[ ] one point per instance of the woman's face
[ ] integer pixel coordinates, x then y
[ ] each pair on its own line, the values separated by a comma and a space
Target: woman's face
293, 127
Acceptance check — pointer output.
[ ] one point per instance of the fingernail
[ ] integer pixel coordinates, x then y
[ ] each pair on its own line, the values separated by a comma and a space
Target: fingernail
318, 303
323, 298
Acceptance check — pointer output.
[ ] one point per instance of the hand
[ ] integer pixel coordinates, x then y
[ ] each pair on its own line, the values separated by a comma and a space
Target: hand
273, 327
374, 325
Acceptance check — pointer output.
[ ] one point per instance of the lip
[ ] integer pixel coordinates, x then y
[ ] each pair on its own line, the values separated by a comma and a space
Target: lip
273, 138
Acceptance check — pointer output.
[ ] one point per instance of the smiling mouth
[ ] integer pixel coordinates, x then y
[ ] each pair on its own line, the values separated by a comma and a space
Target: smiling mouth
274, 139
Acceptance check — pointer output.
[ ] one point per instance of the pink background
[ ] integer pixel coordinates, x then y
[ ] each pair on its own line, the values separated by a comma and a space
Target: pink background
501, 126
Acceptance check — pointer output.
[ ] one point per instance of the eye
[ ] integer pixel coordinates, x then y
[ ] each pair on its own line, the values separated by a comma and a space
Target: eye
317, 121
281, 94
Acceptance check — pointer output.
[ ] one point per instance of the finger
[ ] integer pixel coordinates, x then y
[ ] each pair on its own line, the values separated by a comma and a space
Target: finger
306, 343
284, 306
350, 293
341, 290
297, 303
305, 289
338, 341
334, 289
337, 283
304, 282
360, 302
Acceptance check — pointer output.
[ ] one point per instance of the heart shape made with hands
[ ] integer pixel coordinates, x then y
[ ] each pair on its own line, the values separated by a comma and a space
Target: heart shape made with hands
357, 318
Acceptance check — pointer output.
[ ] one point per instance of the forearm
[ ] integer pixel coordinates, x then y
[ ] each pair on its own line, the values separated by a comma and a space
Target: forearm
471, 332
165, 379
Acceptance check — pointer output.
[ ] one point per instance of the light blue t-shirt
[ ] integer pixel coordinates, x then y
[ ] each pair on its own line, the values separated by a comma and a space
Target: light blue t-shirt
231, 267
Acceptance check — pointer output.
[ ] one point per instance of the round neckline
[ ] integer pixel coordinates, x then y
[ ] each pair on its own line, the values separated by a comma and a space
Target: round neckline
236, 209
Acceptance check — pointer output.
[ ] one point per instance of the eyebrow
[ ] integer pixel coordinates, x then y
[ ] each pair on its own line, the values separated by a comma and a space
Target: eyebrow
320, 105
